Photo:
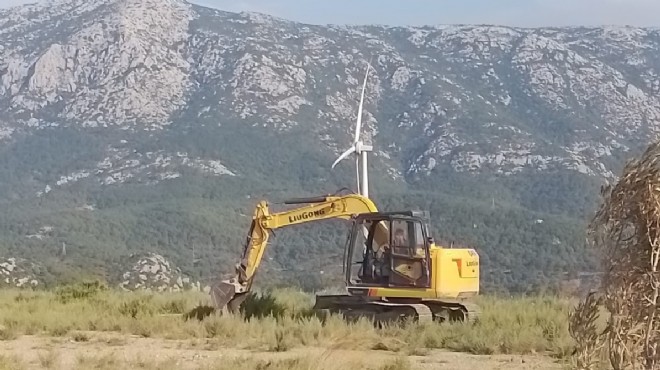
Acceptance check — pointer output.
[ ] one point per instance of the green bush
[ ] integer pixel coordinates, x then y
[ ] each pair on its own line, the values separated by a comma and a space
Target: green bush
78, 291
140, 306
176, 306
262, 305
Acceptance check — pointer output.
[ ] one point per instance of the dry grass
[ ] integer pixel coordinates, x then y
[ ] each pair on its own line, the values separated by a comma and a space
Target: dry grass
11, 363
120, 359
325, 361
48, 359
115, 361
508, 326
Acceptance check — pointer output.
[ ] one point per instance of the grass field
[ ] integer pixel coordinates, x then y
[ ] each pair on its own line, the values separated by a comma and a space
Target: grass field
276, 331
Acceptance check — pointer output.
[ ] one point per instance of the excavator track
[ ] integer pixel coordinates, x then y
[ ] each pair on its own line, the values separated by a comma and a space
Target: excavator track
353, 308
453, 310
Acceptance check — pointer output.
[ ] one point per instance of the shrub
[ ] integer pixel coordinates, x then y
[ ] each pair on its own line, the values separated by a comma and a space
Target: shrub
80, 337
177, 306
140, 306
83, 290
8, 333
281, 343
261, 305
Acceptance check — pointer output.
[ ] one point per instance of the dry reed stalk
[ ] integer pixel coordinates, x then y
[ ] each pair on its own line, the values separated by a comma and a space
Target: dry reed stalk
626, 230
583, 328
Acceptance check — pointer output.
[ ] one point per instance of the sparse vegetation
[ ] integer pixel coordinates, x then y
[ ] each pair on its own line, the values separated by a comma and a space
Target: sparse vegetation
82, 290
48, 359
114, 361
7, 333
80, 337
11, 363
324, 361
506, 326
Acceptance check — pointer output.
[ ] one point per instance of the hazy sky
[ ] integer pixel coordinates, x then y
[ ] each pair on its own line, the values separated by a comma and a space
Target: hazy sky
526, 13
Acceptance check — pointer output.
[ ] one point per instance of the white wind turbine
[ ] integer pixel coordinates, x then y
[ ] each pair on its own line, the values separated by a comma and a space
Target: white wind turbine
359, 149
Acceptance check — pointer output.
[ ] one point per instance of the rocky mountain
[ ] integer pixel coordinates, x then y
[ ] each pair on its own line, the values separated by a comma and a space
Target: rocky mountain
18, 273
130, 125
145, 271
154, 272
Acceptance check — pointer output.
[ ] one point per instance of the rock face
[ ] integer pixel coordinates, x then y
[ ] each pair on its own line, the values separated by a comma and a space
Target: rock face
146, 37
153, 272
16, 272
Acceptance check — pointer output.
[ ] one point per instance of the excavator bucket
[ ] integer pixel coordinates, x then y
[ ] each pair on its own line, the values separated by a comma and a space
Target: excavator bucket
224, 298
228, 294
221, 294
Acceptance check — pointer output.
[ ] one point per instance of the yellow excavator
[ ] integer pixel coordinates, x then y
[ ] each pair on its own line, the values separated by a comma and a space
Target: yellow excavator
393, 269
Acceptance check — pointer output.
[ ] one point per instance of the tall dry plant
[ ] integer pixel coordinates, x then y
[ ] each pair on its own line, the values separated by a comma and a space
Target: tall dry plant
626, 231
583, 327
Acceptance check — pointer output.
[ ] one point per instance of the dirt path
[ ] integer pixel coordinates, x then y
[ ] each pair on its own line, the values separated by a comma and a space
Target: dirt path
116, 351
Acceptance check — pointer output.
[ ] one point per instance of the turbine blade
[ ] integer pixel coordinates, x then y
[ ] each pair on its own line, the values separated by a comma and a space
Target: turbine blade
359, 116
344, 155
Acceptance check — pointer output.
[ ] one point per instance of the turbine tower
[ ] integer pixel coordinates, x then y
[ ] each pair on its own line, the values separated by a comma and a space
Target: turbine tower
359, 148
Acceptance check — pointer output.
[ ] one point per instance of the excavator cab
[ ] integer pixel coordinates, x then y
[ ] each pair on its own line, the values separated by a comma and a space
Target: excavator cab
388, 250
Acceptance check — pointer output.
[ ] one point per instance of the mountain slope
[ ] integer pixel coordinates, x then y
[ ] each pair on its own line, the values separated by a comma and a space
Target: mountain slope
156, 125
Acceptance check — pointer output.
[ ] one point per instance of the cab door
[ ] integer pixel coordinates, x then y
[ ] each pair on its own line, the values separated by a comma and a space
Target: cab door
409, 254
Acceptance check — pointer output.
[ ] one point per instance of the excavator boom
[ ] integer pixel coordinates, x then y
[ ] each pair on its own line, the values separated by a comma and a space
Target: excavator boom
228, 294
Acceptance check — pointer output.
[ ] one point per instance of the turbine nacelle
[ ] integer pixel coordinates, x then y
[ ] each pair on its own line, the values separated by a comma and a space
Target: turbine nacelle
358, 148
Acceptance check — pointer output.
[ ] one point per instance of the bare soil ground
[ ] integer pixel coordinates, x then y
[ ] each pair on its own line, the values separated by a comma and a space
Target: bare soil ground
112, 350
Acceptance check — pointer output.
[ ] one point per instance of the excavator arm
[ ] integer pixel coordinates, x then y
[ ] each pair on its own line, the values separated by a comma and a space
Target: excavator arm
231, 293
